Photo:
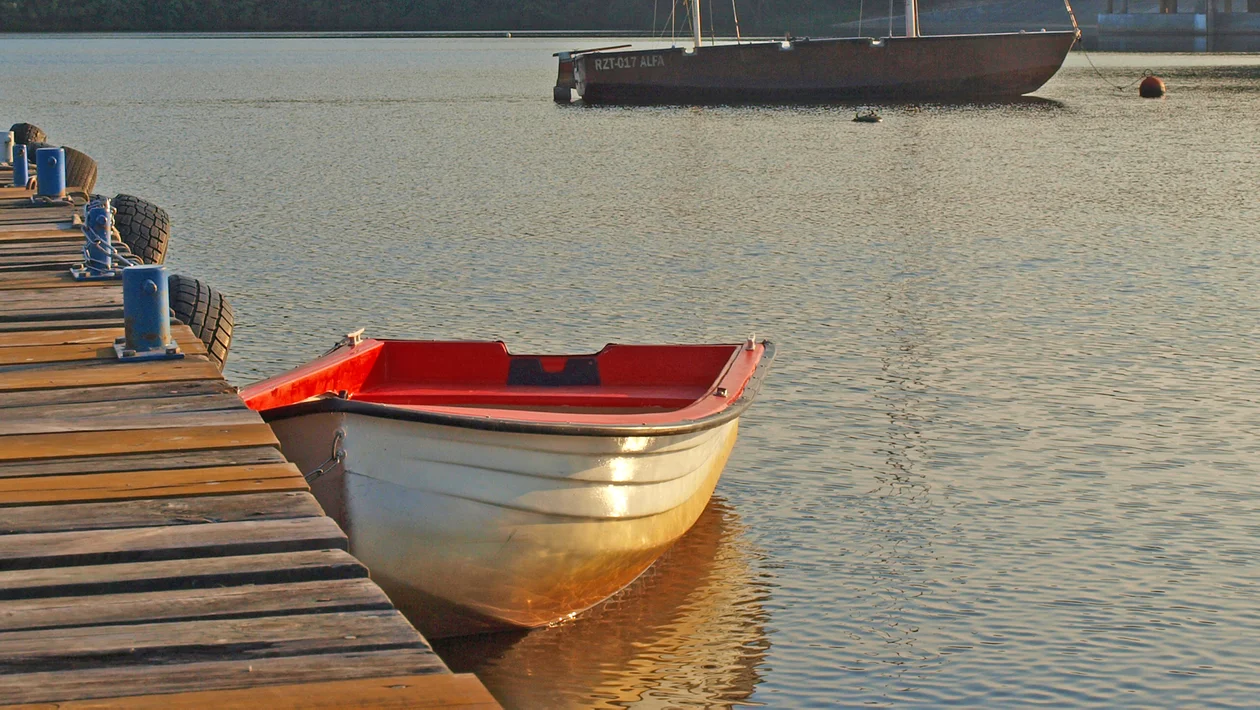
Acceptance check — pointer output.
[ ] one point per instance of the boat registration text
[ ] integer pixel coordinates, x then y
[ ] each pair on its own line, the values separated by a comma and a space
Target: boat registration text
638, 61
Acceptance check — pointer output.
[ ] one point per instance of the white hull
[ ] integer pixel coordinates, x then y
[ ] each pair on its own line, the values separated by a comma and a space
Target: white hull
470, 530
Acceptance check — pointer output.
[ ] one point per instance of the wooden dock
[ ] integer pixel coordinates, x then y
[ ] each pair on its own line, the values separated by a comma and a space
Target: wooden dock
156, 549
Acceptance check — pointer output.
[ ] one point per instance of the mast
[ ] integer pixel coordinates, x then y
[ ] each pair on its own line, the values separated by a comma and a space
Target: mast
695, 21
912, 18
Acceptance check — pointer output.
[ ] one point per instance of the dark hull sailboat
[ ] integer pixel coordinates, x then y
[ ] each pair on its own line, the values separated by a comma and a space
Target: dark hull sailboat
909, 68
898, 68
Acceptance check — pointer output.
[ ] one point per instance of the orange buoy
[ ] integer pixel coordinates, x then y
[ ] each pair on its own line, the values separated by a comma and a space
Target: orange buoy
1152, 87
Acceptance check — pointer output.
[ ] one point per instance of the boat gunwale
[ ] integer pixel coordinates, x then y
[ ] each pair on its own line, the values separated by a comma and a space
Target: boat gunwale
326, 405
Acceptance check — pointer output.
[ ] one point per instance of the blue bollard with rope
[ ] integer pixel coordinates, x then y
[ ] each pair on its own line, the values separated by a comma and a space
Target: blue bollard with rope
99, 252
146, 316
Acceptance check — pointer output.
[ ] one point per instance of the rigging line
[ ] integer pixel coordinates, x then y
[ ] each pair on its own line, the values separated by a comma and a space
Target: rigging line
860, 3
890, 9
713, 32
735, 12
655, 5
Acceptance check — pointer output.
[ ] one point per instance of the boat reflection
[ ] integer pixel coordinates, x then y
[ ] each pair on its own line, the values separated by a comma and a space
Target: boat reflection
690, 632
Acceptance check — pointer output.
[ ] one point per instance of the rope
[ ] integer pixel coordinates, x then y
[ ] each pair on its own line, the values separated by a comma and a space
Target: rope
338, 455
890, 10
735, 12
860, 4
1105, 80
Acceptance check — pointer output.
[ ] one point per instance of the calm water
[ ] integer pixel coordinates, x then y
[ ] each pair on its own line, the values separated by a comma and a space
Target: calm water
1008, 455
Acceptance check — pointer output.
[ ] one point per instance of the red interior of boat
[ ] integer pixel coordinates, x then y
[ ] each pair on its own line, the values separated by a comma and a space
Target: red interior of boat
428, 374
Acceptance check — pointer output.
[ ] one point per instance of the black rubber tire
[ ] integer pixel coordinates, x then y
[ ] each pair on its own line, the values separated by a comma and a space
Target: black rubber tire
32, 147
27, 133
143, 226
206, 311
80, 170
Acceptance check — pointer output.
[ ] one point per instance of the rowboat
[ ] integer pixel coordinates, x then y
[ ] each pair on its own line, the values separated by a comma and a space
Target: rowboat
486, 490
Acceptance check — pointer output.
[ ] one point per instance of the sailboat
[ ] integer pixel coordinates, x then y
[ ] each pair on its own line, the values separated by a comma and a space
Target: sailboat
913, 67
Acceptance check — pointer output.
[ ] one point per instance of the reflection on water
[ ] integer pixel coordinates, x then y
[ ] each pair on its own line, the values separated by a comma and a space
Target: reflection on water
690, 632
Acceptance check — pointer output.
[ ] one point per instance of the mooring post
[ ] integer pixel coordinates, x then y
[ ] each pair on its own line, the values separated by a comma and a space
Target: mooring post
21, 171
146, 315
50, 172
98, 252
7, 155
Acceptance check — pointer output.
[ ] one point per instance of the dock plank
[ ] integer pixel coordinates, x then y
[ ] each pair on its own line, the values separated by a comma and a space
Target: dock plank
60, 337
175, 542
22, 326
217, 481
159, 460
158, 512
123, 420
434, 690
16, 280
197, 573
194, 604
187, 641
36, 687
73, 352
93, 373
95, 443
114, 393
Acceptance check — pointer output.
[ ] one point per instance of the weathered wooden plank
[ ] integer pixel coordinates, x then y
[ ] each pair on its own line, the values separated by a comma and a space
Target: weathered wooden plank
122, 419
82, 417
153, 461
198, 573
39, 247
95, 373
44, 316
186, 641
60, 279
35, 213
103, 336
38, 227
103, 443
21, 490
49, 234
56, 353
37, 354
25, 299
27, 325
434, 690
114, 393
193, 604
55, 686
175, 542
158, 512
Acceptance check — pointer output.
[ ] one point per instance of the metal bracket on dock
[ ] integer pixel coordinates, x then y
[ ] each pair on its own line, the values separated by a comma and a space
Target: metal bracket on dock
146, 316
99, 252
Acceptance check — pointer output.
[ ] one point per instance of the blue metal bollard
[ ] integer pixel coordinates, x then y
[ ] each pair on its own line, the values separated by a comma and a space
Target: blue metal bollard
21, 171
50, 171
98, 252
146, 315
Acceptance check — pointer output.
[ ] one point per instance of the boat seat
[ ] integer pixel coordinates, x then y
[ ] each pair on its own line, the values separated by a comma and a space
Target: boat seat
532, 396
